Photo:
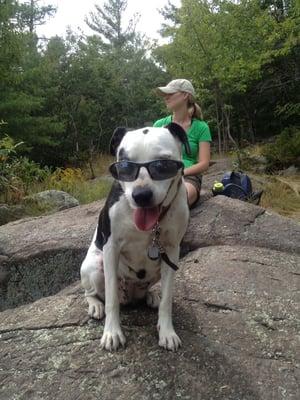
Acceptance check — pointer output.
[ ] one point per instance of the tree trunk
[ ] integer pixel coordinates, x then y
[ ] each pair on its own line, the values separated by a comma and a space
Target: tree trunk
90, 160
218, 126
75, 134
224, 133
98, 145
31, 20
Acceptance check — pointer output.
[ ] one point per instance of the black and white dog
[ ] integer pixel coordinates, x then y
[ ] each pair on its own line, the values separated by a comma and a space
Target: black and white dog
139, 231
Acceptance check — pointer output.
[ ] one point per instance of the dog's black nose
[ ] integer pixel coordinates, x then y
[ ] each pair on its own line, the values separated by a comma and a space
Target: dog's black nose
142, 196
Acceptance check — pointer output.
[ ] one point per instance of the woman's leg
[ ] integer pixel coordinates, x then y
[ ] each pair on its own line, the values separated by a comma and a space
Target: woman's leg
193, 187
192, 193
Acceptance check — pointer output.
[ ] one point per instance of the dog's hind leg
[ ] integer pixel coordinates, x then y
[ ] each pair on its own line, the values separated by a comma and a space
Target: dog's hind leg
96, 307
152, 296
92, 280
153, 299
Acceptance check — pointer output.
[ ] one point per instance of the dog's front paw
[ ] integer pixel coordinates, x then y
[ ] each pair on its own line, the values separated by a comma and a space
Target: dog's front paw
112, 339
168, 339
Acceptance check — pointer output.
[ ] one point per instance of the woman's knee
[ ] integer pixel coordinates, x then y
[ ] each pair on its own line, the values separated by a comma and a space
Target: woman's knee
192, 193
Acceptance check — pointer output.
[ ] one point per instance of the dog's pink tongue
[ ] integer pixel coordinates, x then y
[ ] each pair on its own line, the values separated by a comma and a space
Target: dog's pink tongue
146, 218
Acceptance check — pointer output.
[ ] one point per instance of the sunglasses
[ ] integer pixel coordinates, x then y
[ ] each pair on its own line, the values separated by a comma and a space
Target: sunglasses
159, 170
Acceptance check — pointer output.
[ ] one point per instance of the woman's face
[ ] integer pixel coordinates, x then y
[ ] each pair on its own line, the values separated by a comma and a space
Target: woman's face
175, 101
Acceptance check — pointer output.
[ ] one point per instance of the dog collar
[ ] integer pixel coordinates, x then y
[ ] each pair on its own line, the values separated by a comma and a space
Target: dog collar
166, 209
164, 212
156, 249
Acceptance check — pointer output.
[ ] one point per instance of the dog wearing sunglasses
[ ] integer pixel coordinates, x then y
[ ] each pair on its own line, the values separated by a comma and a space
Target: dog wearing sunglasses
148, 200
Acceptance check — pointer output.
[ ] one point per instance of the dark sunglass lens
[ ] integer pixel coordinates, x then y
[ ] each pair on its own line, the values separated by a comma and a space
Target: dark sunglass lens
124, 171
163, 169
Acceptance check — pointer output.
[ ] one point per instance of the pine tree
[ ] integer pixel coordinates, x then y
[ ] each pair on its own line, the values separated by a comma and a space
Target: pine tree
107, 21
31, 14
22, 89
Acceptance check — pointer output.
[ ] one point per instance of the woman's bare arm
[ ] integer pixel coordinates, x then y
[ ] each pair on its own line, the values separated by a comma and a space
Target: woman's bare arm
204, 159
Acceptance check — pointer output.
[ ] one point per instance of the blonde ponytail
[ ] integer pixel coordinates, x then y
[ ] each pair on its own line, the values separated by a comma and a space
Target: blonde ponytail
194, 109
197, 111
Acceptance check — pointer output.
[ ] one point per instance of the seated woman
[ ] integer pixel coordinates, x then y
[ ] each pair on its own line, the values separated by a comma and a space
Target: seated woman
179, 97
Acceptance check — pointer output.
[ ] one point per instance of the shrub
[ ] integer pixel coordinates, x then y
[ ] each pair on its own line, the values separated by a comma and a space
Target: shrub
20, 176
285, 151
17, 173
29, 172
72, 180
66, 179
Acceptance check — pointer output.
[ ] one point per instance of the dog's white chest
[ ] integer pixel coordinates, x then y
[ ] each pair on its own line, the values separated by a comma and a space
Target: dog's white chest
134, 262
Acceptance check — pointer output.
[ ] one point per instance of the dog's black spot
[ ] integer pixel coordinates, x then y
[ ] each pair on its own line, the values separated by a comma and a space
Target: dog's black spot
145, 131
141, 274
123, 155
104, 229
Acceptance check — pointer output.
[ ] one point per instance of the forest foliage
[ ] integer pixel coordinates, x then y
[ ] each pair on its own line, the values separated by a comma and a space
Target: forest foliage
62, 97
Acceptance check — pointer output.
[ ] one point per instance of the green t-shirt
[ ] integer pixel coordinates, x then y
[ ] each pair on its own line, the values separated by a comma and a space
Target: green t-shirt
197, 132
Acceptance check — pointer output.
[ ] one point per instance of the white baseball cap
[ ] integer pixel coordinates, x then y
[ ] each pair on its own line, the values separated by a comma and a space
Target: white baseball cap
177, 85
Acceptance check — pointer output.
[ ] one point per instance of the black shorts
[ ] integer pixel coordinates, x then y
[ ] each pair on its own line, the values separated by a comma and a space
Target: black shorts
196, 181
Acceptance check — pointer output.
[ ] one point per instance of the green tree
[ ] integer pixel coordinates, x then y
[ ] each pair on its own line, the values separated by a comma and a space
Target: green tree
23, 94
99, 91
31, 14
225, 48
107, 21
106, 80
10, 45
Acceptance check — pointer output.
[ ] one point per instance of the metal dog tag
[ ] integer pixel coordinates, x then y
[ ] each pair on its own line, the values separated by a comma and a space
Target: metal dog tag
153, 252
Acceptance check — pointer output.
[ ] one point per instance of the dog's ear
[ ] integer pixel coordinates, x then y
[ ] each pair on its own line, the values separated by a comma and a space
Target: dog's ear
116, 138
178, 132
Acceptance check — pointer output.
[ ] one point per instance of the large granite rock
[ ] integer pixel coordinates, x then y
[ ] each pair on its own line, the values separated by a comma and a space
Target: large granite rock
38, 203
236, 308
42, 255
52, 199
